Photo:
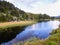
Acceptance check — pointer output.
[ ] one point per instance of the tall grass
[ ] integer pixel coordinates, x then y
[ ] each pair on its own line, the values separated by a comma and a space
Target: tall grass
14, 24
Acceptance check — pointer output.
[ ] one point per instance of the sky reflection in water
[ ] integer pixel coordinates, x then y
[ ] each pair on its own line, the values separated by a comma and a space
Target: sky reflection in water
40, 30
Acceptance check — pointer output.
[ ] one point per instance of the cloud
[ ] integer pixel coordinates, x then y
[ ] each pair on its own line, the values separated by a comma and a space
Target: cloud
50, 7
48, 1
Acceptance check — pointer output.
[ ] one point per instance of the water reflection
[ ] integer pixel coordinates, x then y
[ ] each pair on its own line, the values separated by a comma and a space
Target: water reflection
40, 30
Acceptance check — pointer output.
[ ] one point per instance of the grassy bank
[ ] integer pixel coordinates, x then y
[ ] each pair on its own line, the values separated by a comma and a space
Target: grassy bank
14, 24
54, 39
8, 30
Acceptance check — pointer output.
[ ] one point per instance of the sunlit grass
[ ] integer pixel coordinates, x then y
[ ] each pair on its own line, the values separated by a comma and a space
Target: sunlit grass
13, 24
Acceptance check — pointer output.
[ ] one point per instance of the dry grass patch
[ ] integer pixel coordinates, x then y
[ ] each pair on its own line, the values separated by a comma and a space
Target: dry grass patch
12, 24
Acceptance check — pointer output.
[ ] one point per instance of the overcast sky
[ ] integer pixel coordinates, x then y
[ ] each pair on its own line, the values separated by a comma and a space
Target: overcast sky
50, 7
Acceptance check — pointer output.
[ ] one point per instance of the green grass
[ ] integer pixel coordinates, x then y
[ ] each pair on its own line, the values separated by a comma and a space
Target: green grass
55, 31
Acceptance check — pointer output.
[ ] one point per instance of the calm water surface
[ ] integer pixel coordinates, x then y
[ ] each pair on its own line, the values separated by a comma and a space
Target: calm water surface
40, 30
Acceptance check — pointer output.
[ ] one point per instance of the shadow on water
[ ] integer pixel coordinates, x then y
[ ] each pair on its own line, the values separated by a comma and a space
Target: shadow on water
9, 33
43, 20
40, 30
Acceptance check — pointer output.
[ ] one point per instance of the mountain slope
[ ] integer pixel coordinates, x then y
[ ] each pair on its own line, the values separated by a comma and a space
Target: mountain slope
8, 11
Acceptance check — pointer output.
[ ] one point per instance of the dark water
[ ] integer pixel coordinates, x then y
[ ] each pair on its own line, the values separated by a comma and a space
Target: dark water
40, 30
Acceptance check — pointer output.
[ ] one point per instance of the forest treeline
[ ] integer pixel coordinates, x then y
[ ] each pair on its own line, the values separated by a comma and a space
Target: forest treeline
8, 12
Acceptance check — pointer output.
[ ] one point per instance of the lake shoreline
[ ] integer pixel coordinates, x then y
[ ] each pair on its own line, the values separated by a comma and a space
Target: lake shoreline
53, 39
22, 28
9, 30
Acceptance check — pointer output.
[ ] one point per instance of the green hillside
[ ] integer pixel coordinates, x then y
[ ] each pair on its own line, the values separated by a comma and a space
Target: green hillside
8, 12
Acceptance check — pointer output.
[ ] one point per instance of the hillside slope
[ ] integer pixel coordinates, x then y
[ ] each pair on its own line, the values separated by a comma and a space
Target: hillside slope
8, 12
